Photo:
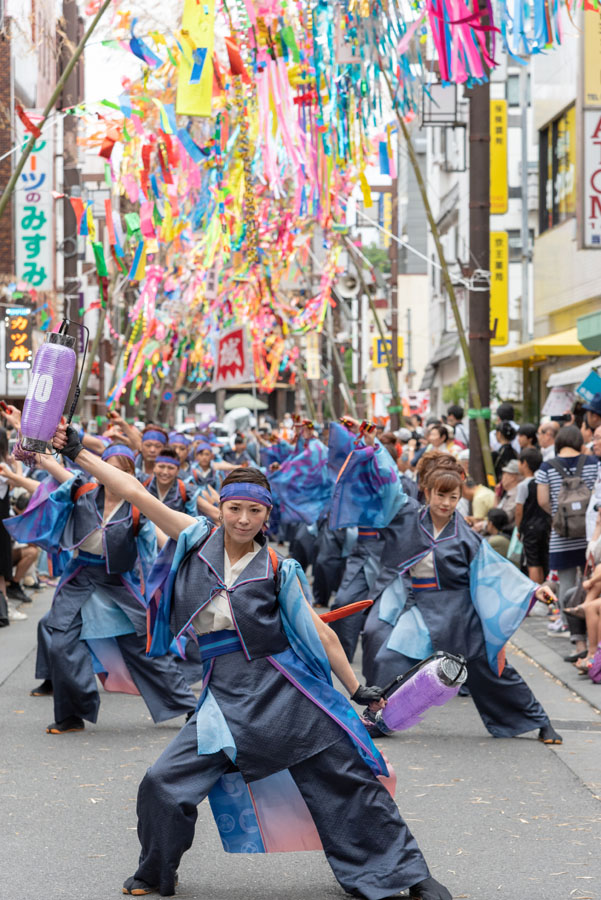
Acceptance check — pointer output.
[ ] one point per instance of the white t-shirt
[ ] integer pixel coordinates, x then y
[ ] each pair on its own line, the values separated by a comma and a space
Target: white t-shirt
217, 615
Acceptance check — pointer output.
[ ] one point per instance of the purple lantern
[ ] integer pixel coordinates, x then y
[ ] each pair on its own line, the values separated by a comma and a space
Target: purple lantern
51, 378
433, 684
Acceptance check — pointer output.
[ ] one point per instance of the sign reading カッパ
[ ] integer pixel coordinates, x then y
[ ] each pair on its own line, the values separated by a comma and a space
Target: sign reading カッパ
19, 349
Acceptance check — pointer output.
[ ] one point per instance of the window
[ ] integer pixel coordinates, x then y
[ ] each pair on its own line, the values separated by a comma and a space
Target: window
514, 240
557, 170
513, 90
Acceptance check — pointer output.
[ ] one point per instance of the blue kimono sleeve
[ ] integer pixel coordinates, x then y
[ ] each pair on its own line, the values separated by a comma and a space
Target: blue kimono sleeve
368, 492
43, 523
340, 443
159, 588
293, 596
501, 595
302, 487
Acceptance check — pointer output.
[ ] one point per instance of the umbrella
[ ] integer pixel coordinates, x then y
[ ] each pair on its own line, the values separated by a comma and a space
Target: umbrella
247, 400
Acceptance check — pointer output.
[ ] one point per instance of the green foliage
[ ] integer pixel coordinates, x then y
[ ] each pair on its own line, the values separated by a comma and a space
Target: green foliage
378, 257
458, 392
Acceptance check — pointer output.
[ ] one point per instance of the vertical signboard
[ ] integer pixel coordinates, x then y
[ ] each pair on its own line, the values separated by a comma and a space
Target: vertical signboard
18, 341
499, 287
34, 248
591, 36
499, 191
312, 360
591, 182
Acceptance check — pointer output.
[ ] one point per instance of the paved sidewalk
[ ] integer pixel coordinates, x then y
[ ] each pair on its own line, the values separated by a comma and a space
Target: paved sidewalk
548, 649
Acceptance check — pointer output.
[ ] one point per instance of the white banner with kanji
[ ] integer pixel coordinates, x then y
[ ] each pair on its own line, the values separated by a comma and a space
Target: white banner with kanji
233, 358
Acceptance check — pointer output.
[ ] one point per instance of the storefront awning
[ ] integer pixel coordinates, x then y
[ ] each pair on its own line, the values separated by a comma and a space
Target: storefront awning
446, 349
562, 343
575, 375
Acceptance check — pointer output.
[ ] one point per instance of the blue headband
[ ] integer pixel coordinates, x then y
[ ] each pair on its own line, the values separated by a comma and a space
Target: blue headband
168, 460
246, 491
154, 436
119, 450
179, 439
203, 446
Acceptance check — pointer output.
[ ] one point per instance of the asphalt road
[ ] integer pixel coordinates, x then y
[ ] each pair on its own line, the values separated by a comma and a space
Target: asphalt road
504, 819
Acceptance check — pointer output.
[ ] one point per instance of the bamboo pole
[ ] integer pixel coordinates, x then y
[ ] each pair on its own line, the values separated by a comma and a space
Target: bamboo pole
471, 374
50, 105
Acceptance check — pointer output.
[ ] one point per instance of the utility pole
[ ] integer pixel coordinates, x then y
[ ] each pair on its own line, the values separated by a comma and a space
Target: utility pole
71, 175
479, 295
394, 409
527, 393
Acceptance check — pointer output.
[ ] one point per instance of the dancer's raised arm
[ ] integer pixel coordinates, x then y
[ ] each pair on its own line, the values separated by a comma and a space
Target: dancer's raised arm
121, 483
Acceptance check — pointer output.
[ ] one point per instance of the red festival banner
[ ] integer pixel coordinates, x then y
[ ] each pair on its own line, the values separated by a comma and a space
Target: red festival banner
234, 359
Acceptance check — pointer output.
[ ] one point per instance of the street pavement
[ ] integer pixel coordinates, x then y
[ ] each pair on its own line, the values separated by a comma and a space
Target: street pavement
503, 819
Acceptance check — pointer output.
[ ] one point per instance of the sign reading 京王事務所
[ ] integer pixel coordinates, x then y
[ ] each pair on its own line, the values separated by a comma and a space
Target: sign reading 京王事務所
34, 237
499, 288
499, 190
18, 347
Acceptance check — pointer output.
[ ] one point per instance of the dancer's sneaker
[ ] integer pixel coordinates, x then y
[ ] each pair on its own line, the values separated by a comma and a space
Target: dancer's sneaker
72, 723
138, 888
548, 735
44, 689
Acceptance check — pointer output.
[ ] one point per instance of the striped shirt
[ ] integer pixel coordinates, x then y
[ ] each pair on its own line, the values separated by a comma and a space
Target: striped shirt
565, 553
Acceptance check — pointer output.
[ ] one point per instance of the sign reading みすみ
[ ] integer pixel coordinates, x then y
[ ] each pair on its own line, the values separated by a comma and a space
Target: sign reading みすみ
234, 360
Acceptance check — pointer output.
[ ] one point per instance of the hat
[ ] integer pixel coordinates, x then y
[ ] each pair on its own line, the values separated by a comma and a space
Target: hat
512, 467
404, 435
594, 405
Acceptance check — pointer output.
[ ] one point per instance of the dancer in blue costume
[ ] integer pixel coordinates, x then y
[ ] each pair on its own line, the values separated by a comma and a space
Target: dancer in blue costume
270, 728
463, 597
97, 622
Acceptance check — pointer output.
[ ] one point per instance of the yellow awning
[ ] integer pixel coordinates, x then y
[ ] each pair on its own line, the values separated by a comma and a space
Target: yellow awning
562, 343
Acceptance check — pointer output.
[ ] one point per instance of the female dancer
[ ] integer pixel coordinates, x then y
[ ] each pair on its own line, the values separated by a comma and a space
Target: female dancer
452, 608
97, 622
268, 714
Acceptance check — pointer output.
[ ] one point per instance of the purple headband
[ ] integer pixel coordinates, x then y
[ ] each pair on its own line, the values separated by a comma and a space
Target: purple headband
154, 436
203, 446
246, 491
168, 460
119, 450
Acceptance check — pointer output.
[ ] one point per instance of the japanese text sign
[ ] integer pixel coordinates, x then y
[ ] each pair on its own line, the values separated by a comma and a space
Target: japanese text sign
19, 348
34, 236
499, 287
499, 192
234, 362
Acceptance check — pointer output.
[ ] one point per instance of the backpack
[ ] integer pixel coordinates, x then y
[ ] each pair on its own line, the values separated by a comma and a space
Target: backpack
90, 486
569, 520
534, 517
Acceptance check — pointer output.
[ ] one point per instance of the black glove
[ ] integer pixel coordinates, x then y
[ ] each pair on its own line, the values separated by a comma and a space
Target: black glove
73, 447
365, 695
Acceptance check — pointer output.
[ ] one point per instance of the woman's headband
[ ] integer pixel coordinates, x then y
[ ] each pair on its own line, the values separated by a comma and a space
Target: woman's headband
245, 490
167, 460
152, 435
119, 450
